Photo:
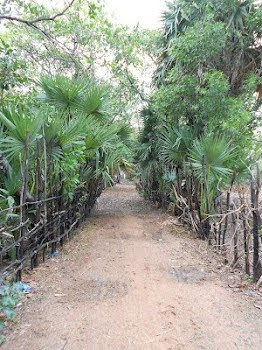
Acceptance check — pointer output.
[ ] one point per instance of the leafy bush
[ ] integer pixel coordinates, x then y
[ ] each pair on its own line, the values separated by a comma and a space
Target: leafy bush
10, 295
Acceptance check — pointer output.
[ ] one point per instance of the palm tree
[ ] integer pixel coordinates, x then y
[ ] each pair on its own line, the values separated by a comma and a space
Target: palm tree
213, 160
176, 19
174, 144
72, 125
242, 50
74, 95
86, 105
18, 124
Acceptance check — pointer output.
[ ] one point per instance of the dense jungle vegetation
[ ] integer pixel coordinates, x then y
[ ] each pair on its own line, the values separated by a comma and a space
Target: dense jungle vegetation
68, 99
78, 105
202, 126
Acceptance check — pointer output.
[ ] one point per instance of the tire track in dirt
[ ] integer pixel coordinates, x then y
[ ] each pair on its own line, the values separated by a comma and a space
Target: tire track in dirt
126, 282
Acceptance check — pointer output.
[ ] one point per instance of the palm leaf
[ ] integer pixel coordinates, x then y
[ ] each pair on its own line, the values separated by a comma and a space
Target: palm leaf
60, 91
18, 125
219, 158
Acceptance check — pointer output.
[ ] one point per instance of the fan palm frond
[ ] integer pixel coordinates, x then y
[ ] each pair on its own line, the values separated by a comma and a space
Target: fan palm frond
218, 156
99, 138
174, 143
72, 132
18, 125
12, 181
92, 101
74, 94
124, 131
61, 92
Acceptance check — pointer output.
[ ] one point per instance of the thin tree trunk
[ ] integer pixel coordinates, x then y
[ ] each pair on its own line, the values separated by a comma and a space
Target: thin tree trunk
235, 238
206, 223
255, 188
38, 186
220, 225
245, 236
45, 189
51, 204
227, 208
24, 175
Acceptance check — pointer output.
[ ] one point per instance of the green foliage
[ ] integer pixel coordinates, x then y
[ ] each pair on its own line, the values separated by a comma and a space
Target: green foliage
74, 94
11, 67
214, 156
174, 144
206, 81
19, 123
61, 91
199, 44
215, 34
82, 43
10, 295
76, 139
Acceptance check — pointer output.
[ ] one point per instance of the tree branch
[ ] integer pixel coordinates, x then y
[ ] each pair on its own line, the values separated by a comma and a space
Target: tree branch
31, 23
135, 88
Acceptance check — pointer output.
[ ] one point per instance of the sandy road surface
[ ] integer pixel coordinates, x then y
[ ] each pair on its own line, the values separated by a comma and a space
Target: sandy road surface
126, 282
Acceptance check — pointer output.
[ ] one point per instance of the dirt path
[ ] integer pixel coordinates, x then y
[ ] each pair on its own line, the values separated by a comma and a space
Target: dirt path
129, 283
